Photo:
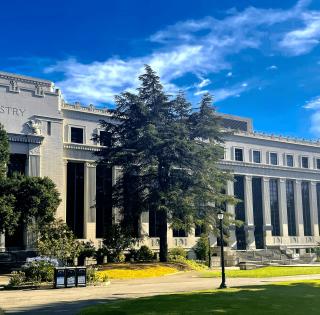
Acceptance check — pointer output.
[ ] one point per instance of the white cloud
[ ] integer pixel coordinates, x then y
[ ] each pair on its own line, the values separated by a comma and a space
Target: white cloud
303, 40
314, 105
201, 47
229, 74
233, 91
273, 67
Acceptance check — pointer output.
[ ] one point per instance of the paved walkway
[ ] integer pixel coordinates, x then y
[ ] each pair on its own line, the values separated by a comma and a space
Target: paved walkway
70, 301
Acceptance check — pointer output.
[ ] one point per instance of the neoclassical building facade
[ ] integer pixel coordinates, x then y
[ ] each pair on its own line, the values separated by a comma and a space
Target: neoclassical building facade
277, 178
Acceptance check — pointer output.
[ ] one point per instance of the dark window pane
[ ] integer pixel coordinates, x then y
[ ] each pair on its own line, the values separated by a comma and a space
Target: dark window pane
179, 233
274, 206
240, 212
17, 164
306, 208
154, 224
318, 203
198, 230
76, 135
305, 162
238, 154
318, 164
257, 213
274, 158
105, 138
289, 160
256, 157
75, 197
291, 208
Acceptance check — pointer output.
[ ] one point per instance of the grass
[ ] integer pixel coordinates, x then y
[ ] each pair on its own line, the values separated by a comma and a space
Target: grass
289, 298
136, 272
265, 272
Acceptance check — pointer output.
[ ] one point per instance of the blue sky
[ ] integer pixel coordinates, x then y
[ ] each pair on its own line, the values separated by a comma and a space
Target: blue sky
259, 58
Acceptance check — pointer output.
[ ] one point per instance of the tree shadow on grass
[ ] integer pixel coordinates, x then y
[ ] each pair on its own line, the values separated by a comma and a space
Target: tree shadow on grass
285, 299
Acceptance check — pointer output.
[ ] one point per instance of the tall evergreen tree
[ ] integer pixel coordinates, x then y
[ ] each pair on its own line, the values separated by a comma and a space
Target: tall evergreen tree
4, 152
168, 155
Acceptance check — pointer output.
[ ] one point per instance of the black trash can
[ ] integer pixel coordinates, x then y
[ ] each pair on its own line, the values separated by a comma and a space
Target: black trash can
70, 277
59, 277
81, 279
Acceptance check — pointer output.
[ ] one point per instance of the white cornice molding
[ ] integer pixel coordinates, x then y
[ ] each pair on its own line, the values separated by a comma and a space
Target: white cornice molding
13, 137
86, 109
82, 147
25, 79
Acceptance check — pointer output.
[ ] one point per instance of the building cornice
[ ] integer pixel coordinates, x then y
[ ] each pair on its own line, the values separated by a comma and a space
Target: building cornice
277, 138
81, 147
25, 79
13, 137
77, 107
268, 167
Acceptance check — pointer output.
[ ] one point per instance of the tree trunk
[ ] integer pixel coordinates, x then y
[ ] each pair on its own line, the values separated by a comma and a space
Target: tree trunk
163, 236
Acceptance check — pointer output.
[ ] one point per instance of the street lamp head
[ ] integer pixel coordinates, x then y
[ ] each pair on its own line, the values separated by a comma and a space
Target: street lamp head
220, 215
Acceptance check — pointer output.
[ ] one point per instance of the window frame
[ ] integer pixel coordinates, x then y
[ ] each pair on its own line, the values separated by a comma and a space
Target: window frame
277, 154
301, 161
316, 163
260, 156
78, 127
286, 158
234, 154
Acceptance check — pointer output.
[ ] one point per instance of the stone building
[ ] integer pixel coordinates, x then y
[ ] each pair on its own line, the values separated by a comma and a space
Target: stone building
278, 178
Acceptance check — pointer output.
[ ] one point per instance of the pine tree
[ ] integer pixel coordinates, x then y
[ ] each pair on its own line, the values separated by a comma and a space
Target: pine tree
168, 156
4, 152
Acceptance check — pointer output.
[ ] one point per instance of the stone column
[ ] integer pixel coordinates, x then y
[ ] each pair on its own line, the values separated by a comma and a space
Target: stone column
314, 209
231, 210
267, 227
249, 225
283, 208
298, 207
89, 201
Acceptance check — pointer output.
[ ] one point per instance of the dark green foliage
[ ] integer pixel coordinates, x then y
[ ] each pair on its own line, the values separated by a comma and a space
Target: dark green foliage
168, 155
87, 249
144, 253
4, 152
116, 240
58, 241
26, 200
202, 248
177, 251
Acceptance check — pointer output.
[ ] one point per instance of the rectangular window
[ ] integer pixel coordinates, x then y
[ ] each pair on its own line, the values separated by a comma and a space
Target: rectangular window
290, 208
289, 158
256, 156
238, 154
274, 206
179, 233
76, 135
318, 203
273, 158
306, 208
318, 164
199, 230
105, 138
49, 128
304, 162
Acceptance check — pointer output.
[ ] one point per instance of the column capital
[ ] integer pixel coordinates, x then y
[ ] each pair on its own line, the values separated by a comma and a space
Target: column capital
313, 183
298, 181
266, 179
248, 177
282, 180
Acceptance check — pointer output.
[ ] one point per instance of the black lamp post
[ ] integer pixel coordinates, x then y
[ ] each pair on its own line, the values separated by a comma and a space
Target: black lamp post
223, 275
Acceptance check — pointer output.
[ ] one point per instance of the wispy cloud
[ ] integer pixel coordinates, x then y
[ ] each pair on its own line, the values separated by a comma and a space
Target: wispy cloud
273, 67
201, 47
314, 105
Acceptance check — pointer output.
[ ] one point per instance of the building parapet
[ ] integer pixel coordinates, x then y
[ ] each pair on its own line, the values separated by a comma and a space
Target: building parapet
87, 109
272, 137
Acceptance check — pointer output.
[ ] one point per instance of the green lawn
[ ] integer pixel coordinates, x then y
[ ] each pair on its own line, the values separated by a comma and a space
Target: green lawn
265, 272
290, 298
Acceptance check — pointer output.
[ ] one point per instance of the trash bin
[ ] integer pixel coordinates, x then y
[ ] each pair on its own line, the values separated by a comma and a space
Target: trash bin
70, 277
81, 279
59, 277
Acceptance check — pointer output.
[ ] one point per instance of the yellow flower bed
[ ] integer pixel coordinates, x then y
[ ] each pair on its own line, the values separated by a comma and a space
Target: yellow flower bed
156, 271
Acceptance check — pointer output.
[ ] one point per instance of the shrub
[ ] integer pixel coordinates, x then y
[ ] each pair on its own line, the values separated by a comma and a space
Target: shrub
17, 278
202, 248
94, 277
116, 240
144, 253
100, 254
87, 249
178, 251
38, 271
190, 263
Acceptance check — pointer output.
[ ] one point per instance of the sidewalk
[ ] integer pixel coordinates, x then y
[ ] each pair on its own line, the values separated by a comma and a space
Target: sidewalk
70, 301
